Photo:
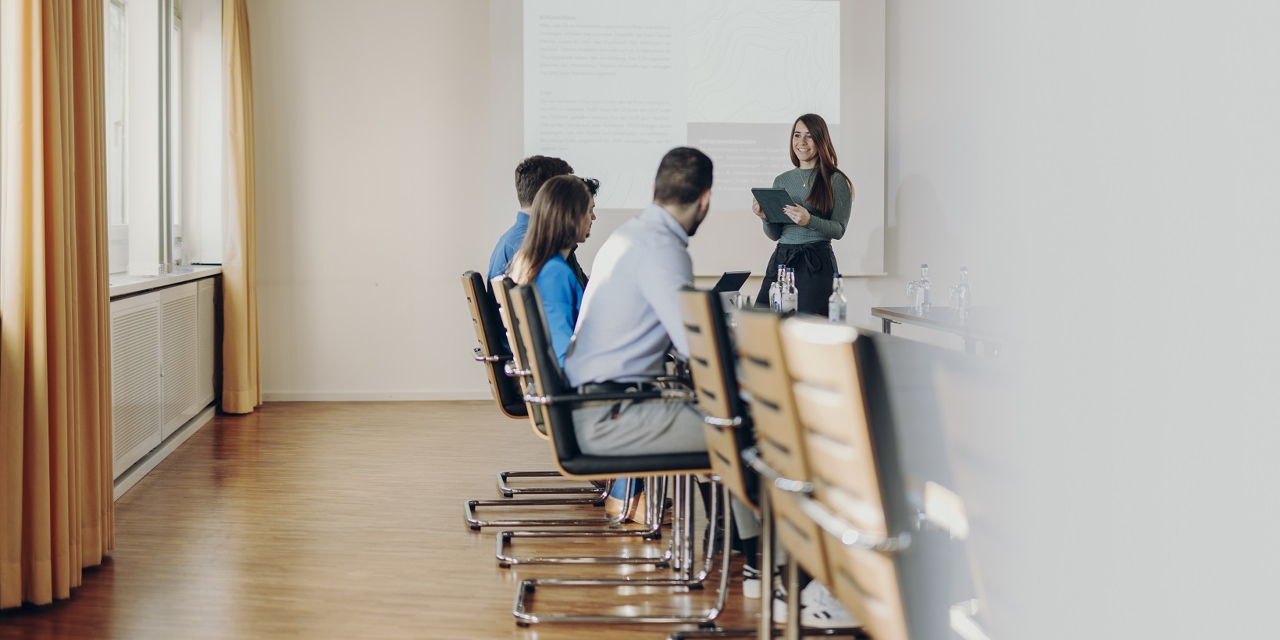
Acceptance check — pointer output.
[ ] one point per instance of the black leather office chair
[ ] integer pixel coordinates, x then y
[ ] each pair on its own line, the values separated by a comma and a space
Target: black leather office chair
509, 396
502, 287
490, 350
550, 391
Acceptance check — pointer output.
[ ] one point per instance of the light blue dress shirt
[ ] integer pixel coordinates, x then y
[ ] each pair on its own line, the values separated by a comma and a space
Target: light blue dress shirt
631, 315
561, 301
508, 245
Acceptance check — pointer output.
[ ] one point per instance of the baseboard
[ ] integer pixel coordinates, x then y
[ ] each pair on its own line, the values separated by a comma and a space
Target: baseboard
372, 396
148, 462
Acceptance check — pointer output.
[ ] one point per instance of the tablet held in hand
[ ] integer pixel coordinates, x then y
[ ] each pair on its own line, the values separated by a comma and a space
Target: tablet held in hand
772, 200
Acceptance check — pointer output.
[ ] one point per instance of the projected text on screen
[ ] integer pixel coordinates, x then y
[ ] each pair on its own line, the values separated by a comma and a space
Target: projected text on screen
611, 86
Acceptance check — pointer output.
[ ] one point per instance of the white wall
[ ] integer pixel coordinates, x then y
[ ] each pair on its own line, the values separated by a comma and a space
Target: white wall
371, 145
1109, 169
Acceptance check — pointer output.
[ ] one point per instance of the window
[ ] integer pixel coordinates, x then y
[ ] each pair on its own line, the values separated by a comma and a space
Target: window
163, 128
115, 88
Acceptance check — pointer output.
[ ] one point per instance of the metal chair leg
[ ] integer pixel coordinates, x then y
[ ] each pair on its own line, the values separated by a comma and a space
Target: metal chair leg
654, 493
682, 549
508, 490
807, 632
766, 629
469, 508
793, 598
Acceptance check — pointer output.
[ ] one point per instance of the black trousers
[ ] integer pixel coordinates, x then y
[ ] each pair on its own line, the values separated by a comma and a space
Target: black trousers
814, 264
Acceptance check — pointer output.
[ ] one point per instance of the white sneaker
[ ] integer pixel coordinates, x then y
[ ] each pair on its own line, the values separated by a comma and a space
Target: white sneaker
750, 582
780, 606
820, 609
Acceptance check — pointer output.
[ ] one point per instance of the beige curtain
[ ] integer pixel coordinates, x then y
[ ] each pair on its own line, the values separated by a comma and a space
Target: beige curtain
55, 372
241, 390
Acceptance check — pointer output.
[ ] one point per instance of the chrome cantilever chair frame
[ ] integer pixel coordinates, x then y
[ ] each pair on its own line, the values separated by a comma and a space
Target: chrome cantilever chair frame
558, 400
535, 407
507, 393
652, 531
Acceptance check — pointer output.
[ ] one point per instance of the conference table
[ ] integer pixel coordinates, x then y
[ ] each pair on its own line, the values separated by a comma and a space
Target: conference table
988, 325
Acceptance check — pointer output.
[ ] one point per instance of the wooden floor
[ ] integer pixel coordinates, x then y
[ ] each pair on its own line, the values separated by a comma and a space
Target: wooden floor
331, 520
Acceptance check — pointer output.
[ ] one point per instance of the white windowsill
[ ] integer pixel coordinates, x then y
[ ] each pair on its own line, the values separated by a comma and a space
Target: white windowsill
123, 284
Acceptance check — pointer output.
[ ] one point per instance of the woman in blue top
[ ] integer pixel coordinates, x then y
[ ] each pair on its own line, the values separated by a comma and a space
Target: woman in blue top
559, 219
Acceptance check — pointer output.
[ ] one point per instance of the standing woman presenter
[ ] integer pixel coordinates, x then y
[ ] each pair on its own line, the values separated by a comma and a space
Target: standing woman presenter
826, 196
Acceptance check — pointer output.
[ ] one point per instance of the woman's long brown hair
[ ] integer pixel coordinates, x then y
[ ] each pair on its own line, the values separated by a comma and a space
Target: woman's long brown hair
554, 220
822, 196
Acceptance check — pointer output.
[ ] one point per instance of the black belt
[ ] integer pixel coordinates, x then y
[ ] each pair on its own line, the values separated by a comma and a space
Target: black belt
617, 387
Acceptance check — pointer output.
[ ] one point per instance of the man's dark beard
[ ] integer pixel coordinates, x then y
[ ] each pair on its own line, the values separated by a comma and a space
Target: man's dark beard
697, 223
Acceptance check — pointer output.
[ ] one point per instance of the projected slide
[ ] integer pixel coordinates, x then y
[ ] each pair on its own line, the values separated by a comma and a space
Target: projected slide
611, 85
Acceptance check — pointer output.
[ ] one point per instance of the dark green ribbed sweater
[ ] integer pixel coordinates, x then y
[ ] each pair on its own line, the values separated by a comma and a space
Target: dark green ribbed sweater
818, 229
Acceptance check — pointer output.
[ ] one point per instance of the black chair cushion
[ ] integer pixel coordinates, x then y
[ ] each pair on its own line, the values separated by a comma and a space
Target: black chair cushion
515, 408
586, 465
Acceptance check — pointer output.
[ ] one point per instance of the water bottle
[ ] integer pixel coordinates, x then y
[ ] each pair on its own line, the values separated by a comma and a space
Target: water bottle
961, 301
790, 295
837, 304
923, 301
775, 289
792, 292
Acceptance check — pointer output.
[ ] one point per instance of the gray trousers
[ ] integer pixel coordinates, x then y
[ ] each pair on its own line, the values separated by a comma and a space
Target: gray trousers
630, 428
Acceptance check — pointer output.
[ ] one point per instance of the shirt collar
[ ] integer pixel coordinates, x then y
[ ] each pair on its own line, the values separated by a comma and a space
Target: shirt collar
664, 217
522, 218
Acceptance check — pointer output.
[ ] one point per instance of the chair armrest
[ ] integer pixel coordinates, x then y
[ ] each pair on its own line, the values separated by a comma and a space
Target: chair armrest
751, 456
831, 523
735, 422
497, 357
847, 534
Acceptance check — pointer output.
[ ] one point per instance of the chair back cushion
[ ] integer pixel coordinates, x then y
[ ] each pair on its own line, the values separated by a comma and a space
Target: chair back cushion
501, 287
548, 379
489, 335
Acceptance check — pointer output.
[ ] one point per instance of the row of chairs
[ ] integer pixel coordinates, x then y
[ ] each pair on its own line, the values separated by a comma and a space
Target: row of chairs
549, 404
795, 407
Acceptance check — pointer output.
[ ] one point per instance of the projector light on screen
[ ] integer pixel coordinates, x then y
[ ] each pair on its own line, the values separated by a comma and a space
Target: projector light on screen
610, 86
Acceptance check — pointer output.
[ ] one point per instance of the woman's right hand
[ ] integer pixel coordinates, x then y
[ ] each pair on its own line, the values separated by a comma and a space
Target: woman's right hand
755, 208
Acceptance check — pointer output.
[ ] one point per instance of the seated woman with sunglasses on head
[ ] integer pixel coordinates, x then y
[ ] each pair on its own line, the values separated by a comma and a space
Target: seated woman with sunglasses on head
559, 219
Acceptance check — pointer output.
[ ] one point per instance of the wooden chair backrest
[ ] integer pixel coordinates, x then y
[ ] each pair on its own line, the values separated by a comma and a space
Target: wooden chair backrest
777, 426
822, 361
712, 364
